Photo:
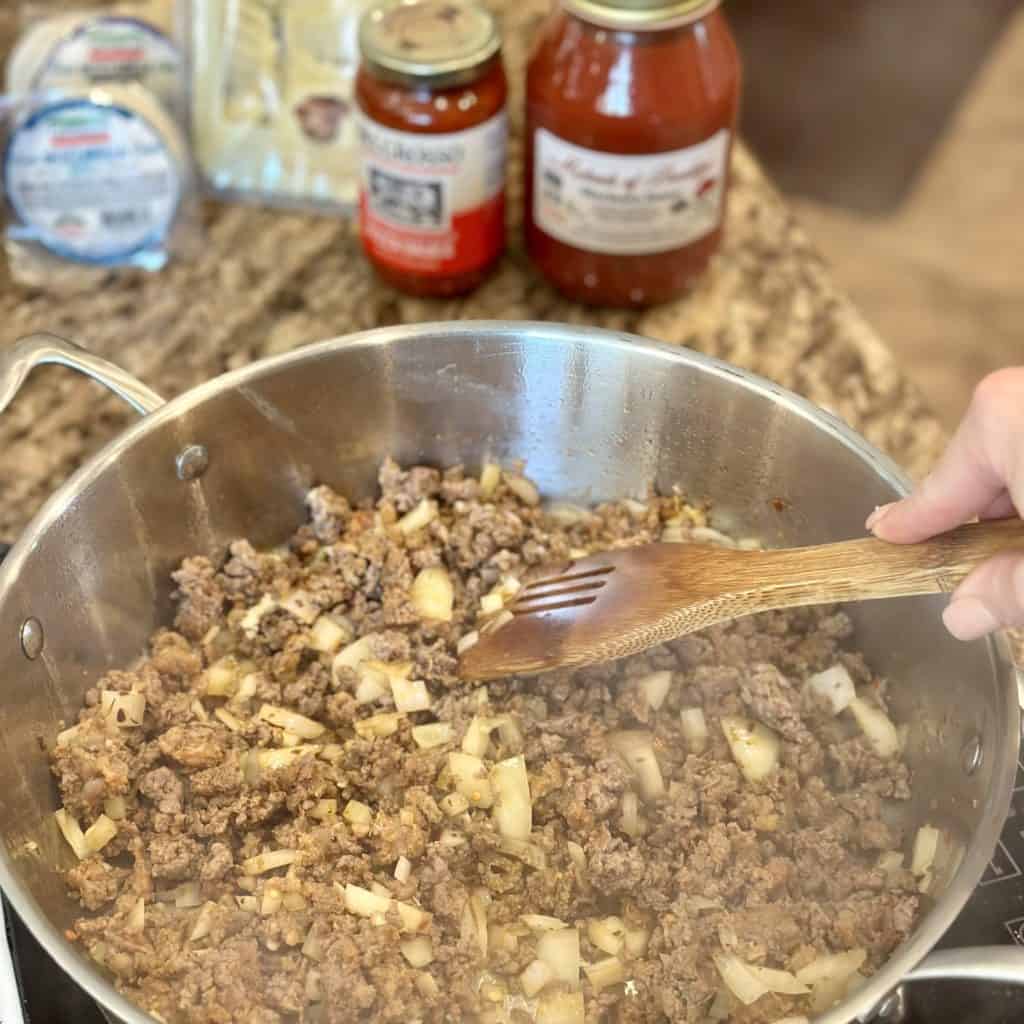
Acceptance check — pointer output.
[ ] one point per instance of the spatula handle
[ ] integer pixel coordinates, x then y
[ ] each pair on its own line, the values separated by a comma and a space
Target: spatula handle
859, 570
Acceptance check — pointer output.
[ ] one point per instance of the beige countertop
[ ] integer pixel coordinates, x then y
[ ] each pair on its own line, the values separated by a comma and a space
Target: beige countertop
268, 281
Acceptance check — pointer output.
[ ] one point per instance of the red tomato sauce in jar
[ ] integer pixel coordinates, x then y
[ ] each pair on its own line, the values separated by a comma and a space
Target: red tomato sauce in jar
433, 130
631, 113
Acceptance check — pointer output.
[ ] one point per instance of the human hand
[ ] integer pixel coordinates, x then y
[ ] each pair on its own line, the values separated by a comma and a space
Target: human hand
980, 474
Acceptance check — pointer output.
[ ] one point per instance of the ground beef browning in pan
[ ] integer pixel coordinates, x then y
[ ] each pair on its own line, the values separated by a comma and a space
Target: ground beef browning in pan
387, 877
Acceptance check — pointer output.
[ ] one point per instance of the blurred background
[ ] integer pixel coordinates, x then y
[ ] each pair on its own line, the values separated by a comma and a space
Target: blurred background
896, 129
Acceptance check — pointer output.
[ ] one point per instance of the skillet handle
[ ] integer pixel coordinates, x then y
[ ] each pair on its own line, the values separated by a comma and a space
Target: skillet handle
36, 349
1001, 964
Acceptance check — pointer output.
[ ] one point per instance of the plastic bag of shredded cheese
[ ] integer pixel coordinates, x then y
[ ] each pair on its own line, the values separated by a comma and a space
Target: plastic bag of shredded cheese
272, 99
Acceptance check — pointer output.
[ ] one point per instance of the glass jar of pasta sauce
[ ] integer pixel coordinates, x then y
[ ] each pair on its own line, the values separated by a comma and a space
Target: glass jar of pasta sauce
433, 130
631, 111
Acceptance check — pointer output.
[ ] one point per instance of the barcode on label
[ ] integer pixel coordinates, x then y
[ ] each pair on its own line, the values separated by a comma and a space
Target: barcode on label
124, 218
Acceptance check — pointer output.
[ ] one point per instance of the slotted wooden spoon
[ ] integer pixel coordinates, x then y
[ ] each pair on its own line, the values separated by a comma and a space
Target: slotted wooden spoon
621, 602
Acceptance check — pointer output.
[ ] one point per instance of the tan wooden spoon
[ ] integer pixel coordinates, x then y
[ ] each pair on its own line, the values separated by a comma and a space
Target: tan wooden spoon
621, 602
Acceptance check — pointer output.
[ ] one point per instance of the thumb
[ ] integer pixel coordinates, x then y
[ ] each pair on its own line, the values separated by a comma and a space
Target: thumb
991, 598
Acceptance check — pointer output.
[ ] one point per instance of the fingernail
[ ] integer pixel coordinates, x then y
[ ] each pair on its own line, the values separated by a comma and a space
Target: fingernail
881, 511
969, 618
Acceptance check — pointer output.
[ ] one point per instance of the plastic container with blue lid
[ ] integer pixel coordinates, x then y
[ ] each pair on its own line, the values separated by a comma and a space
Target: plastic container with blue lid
97, 177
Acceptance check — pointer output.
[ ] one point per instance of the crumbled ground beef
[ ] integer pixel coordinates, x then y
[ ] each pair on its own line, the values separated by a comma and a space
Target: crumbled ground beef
776, 872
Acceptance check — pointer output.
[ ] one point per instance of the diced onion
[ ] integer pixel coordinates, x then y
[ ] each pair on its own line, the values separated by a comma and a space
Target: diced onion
250, 904
125, 710
136, 921
273, 760
432, 594
99, 833
782, 982
204, 922
293, 722
373, 683
560, 950
250, 622
418, 951
746, 986
378, 725
754, 746
631, 814
426, 985
470, 639
878, 730
419, 518
832, 965
324, 810
636, 941
528, 853
364, 903
833, 686
72, 832
543, 923
695, 729
564, 514
357, 813
403, 869
272, 900
513, 807
327, 635
534, 977
352, 655
115, 808
313, 947
434, 734
654, 688
605, 973
792, 1020
188, 895
490, 477
890, 861
410, 695
525, 490
706, 535
926, 846
264, 862
636, 748
294, 901
478, 736
471, 779
491, 603
607, 933
561, 1008
479, 901
227, 719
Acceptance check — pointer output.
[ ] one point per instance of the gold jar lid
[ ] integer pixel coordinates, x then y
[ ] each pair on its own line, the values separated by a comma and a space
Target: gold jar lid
640, 15
444, 41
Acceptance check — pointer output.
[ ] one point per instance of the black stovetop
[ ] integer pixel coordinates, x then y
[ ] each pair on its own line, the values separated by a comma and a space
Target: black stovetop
994, 916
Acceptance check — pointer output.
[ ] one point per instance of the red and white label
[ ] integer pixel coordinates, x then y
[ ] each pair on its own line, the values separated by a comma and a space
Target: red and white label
433, 203
624, 205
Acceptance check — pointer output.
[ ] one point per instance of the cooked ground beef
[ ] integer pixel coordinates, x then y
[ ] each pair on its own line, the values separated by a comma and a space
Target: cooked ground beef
280, 844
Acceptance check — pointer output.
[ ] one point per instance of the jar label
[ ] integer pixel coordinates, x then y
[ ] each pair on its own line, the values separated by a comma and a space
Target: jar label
628, 205
433, 203
92, 182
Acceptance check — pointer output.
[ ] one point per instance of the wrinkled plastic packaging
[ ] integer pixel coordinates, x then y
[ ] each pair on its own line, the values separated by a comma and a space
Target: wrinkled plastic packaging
272, 86
97, 172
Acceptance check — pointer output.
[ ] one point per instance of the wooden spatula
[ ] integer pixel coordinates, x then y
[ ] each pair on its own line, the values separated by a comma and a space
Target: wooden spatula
621, 602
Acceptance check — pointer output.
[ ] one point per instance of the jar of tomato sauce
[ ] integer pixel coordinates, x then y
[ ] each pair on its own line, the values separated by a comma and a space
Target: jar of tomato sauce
631, 112
433, 130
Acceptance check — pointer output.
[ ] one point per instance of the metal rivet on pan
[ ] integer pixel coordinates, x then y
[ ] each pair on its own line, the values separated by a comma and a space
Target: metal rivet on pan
972, 755
32, 638
192, 462
892, 1009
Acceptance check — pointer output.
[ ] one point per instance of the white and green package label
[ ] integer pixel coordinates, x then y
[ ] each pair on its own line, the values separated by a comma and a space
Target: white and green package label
93, 182
112, 48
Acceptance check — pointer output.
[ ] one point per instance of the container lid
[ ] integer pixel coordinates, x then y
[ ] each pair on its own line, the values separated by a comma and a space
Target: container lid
427, 38
640, 14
